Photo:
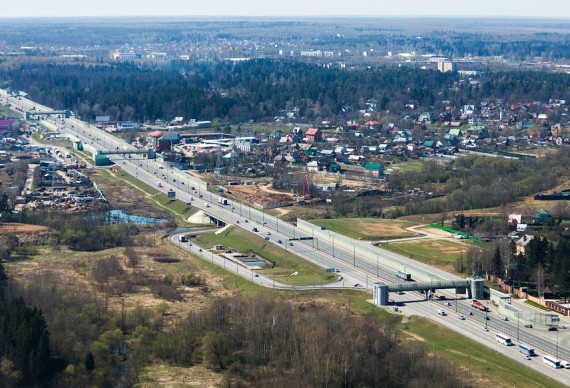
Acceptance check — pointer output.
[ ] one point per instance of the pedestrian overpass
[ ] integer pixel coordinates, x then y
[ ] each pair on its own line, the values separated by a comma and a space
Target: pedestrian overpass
31, 113
473, 287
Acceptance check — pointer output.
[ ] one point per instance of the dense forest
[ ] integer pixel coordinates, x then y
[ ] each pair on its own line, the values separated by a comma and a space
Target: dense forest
260, 89
254, 341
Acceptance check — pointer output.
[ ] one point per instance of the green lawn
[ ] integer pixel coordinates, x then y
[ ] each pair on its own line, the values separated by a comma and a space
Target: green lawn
368, 228
472, 357
433, 252
285, 263
180, 209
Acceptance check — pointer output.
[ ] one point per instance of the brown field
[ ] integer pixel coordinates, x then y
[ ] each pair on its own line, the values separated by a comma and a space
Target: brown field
13, 227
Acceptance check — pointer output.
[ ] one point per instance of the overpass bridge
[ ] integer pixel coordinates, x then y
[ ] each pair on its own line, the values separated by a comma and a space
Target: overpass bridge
473, 287
31, 113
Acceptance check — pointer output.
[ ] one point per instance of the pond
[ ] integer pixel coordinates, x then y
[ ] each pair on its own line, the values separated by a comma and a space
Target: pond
120, 217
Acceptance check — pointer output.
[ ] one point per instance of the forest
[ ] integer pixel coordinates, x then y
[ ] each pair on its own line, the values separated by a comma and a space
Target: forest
259, 89
55, 335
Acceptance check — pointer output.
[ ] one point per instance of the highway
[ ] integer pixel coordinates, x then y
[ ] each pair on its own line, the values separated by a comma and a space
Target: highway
327, 253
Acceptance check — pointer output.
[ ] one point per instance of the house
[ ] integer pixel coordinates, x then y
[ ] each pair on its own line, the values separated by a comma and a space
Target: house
455, 132
279, 161
375, 168
522, 243
167, 140
468, 110
352, 124
374, 125
314, 135
8, 125
313, 166
356, 158
541, 217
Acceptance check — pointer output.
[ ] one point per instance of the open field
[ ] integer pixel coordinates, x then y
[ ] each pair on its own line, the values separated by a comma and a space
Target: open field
75, 270
438, 253
368, 228
285, 263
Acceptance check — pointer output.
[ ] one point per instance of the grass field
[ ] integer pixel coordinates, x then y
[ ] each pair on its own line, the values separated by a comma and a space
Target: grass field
439, 253
285, 262
368, 228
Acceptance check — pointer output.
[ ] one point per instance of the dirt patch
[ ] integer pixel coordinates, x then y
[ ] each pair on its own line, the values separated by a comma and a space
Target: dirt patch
386, 229
23, 228
261, 195
26, 234
415, 337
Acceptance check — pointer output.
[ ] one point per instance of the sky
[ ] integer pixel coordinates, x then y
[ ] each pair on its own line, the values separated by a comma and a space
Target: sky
371, 8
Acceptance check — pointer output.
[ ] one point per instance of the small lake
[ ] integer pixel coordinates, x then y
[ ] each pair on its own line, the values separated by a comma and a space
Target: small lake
120, 217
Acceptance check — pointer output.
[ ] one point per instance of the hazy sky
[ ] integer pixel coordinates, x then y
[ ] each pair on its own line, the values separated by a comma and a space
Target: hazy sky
508, 8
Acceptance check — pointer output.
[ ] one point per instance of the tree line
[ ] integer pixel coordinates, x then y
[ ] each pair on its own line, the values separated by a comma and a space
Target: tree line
260, 89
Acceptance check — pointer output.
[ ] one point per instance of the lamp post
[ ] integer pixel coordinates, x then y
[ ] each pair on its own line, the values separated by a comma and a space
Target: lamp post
333, 244
354, 254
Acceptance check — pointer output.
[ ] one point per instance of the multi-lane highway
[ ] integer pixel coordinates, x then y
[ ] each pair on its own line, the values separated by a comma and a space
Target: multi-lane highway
327, 253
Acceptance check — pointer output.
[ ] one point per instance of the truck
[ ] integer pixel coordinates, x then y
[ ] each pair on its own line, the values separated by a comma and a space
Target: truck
478, 305
404, 275
182, 238
441, 312
222, 201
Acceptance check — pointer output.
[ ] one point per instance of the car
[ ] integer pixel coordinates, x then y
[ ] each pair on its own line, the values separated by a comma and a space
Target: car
254, 230
448, 304
359, 286
256, 275
462, 317
528, 326
269, 233
485, 328
264, 222
562, 327
505, 318
237, 222
279, 241
526, 357
469, 312
552, 328
487, 318
290, 244
400, 293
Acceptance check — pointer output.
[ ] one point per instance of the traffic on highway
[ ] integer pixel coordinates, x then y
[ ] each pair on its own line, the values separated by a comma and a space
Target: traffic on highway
357, 271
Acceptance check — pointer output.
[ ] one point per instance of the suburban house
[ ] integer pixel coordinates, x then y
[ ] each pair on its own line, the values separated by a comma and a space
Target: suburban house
522, 243
314, 135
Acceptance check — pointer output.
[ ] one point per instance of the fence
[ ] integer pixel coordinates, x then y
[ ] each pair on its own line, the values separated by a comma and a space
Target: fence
524, 295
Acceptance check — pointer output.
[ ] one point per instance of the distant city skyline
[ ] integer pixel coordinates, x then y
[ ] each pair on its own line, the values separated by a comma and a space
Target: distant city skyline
290, 8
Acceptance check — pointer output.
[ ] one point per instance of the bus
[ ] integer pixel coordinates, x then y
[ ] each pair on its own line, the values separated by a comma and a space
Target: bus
524, 349
503, 339
551, 361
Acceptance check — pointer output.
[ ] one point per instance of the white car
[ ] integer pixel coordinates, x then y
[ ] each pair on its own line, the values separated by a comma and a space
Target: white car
461, 317
505, 318
485, 328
